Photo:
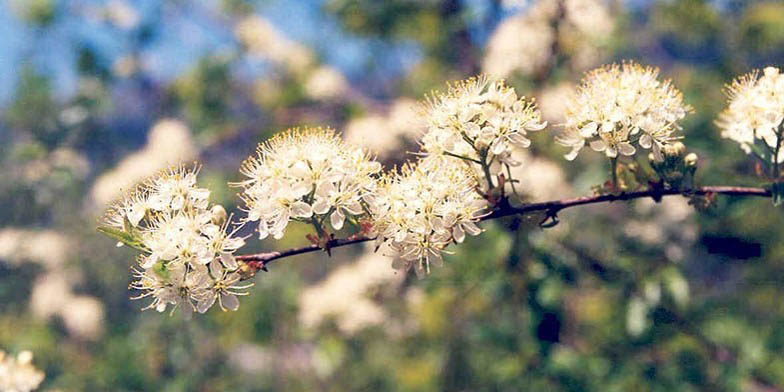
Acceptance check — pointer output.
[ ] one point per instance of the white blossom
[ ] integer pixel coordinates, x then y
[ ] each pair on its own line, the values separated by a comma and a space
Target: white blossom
755, 110
169, 218
617, 106
17, 374
480, 120
307, 175
424, 207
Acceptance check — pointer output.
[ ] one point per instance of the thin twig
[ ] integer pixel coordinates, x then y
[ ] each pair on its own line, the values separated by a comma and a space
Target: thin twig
260, 260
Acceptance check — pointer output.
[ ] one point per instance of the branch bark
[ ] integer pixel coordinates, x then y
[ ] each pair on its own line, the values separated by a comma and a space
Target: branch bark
551, 208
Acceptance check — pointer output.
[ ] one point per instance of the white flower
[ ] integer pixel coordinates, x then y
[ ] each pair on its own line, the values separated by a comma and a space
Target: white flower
179, 234
307, 175
755, 110
424, 207
617, 106
224, 287
18, 374
481, 121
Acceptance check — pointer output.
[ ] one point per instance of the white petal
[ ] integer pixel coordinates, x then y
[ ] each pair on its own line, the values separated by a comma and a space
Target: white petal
534, 126
354, 208
216, 269
320, 206
205, 304
646, 141
598, 145
229, 261
611, 152
301, 209
458, 234
626, 149
177, 202
136, 214
572, 154
336, 219
498, 147
230, 302
471, 228
588, 130
263, 230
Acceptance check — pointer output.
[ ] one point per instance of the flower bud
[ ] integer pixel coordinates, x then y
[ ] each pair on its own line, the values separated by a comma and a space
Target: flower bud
690, 160
219, 215
676, 149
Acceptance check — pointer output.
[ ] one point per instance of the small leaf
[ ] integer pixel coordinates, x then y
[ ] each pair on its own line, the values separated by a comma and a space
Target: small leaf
121, 236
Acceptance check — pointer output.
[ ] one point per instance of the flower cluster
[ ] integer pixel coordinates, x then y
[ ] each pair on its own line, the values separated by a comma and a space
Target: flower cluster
187, 252
617, 106
18, 374
307, 175
423, 208
482, 121
755, 112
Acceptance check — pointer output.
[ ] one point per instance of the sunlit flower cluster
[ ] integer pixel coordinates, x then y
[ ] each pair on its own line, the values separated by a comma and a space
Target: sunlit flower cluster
482, 121
423, 208
17, 374
617, 106
307, 175
187, 252
755, 111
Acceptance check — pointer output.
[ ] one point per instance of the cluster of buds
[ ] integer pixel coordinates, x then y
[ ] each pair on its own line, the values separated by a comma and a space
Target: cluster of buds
676, 169
482, 122
423, 208
307, 175
186, 248
17, 374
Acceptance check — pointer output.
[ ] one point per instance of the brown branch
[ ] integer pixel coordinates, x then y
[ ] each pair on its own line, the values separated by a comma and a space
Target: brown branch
260, 260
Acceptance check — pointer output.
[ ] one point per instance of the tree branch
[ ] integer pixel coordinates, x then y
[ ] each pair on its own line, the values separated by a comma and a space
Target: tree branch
260, 260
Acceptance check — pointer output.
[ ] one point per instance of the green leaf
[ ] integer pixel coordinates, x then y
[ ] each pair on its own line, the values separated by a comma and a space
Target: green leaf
122, 236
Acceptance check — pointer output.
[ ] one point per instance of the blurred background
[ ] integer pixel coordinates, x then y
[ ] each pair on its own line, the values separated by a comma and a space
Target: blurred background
639, 296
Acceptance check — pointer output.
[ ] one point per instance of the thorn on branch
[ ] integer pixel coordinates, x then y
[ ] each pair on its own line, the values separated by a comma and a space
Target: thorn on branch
551, 220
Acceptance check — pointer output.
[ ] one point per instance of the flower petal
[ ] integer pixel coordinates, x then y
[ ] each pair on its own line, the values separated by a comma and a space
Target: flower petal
229, 302
626, 149
301, 209
336, 219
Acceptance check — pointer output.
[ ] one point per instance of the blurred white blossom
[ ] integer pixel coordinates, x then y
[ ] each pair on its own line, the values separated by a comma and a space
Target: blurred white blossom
538, 178
387, 134
755, 111
346, 295
168, 142
262, 39
17, 374
617, 106
326, 82
308, 175
523, 43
